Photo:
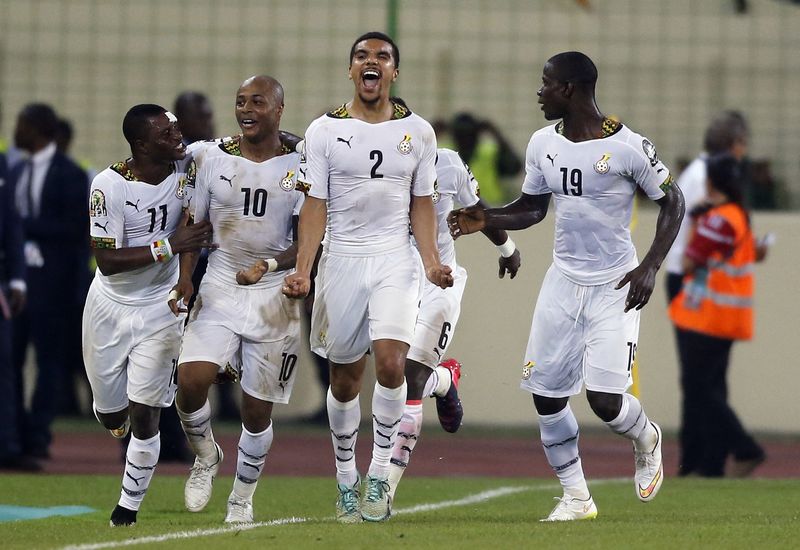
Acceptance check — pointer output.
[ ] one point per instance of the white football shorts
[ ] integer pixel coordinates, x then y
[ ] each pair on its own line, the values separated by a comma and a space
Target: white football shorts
258, 328
580, 334
360, 299
130, 352
438, 315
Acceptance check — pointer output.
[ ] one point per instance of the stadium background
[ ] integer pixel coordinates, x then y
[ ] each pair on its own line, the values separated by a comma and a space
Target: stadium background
665, 68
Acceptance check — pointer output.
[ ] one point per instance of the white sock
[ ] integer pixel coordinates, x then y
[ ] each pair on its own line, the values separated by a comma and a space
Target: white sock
559, 433
140, 463
632, 423
438, 383
253, 450
197, 427
344, 419
387, 411
407, 437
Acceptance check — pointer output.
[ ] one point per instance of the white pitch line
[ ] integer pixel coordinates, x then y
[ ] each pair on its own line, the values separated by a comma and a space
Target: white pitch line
476, 498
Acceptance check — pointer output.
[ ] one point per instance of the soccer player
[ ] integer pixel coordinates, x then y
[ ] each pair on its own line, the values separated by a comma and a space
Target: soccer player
427, 373
370, 167
131, 339
247, 187
586, 321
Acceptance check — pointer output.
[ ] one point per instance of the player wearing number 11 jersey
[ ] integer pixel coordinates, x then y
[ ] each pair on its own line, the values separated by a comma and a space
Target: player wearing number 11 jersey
247, 187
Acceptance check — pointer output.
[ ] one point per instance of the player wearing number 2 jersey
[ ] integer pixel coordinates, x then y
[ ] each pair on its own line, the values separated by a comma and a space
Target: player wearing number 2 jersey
247, 188
130, 338
370, 167
586, 324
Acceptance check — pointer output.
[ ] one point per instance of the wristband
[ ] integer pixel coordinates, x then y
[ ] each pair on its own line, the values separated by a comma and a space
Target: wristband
161, 251
272, 265
507, 248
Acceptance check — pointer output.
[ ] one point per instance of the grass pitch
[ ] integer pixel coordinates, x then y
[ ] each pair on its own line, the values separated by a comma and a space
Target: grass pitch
430, 513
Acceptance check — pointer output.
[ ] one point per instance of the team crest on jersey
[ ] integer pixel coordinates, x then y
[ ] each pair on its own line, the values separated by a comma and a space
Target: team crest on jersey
435, 196
187, 180
650, 150
97, 204
602, 166
527, 370
405, 146
287, 183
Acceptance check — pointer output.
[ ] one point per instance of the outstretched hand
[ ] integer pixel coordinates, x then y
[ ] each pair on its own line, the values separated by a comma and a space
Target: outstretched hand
510, 264
642, 280
466, 220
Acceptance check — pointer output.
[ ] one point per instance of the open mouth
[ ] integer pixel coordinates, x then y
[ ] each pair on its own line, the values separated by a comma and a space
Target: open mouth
370, 79
247, 123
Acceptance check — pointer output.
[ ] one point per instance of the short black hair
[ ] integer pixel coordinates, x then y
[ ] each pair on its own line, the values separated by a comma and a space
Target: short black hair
726, 174
379, 36
134, 124
724, 130
187, 98
42, 117
575, 67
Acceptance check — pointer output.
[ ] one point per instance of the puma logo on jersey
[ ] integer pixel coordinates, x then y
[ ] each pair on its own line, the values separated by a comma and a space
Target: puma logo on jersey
552, 159
602, 166
347, 141
136, 206
103, 227
230, 181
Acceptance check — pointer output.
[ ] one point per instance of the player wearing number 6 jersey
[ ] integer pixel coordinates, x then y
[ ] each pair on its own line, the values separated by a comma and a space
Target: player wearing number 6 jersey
370, 166
428, 373
247, 187
586, 322
130, 338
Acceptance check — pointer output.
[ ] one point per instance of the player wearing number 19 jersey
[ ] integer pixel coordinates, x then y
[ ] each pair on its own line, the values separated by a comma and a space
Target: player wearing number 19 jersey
586, 321
247, 187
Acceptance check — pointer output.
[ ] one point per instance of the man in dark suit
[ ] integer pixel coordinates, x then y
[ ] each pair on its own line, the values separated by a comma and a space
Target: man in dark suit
12, 301
52, 198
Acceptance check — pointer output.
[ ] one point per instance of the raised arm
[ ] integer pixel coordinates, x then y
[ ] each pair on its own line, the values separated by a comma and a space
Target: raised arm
524, 212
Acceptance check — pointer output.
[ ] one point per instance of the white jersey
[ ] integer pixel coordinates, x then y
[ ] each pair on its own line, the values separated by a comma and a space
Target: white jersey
249, 204
692, 182
454, 184
367, 174
593, 184
125, 213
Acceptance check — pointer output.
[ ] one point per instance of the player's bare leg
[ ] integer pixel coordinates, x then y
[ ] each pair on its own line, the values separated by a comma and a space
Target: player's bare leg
194, 410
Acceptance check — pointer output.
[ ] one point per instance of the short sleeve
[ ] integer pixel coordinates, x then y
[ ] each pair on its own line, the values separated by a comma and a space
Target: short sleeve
534, 183
314, 169
425, 174
106, 217
647, 170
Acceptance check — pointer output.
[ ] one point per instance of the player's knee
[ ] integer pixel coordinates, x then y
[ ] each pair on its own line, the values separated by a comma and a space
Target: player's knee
605, 405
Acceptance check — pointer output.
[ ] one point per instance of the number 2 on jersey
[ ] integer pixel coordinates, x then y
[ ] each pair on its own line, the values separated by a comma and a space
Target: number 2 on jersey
377, 156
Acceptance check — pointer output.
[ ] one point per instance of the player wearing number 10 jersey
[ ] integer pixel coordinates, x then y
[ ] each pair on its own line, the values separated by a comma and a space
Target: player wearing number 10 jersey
247, 188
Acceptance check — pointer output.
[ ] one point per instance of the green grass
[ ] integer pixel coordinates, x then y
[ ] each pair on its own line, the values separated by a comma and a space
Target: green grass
688, 513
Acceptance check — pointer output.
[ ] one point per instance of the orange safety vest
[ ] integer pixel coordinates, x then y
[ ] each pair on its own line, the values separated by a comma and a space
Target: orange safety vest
717, 299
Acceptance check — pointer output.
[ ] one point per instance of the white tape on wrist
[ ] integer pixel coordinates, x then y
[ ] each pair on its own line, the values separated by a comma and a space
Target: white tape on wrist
272, 265
173, 295
507, 248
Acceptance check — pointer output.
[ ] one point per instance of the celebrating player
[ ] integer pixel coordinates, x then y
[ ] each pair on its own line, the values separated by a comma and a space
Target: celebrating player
370, 167
130, 338
247, 188
586, 321
426, 373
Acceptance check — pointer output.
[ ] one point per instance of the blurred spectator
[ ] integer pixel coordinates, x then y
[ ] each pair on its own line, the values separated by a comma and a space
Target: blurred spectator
195, 117
763, 189
488, 154
12, 301
713, 309
52, 198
